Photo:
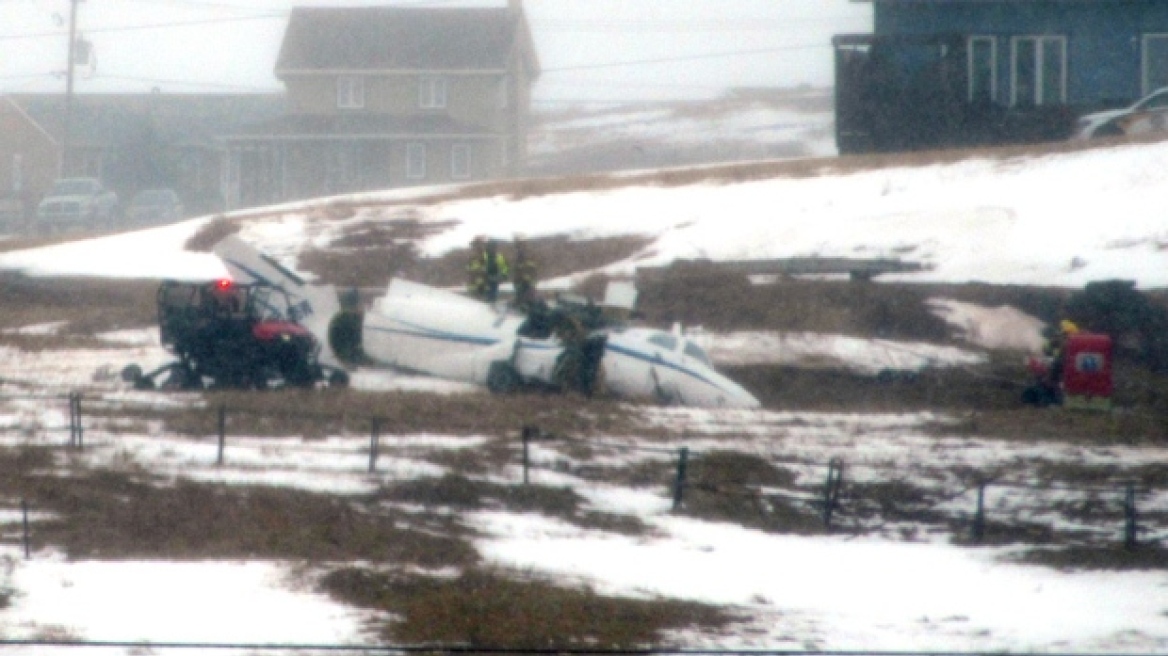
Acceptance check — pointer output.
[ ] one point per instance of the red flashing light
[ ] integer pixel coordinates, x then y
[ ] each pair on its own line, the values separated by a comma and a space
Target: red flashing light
223, 284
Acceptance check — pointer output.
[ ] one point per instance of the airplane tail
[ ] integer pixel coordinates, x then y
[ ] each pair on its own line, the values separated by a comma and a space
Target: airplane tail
312, 306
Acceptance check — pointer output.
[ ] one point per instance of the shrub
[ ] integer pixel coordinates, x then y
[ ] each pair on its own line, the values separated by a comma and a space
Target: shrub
1116, 308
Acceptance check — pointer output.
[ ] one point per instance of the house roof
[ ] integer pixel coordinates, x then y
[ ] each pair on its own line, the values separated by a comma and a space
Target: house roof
357, 126
404, 38
103, 120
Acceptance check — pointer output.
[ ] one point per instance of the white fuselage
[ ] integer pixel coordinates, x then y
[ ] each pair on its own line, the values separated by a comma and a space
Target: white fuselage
444, 334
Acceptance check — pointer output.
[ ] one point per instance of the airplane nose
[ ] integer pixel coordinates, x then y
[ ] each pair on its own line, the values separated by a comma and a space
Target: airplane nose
733, 395
740, 398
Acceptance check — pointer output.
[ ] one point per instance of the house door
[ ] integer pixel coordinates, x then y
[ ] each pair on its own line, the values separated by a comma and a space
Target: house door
1154, 62
1039, 65
257, 176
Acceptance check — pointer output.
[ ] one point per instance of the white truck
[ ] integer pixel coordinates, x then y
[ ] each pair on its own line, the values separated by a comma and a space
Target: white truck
76, 203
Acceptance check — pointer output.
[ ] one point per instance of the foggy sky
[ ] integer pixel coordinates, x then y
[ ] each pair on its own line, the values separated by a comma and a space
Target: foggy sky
589, 49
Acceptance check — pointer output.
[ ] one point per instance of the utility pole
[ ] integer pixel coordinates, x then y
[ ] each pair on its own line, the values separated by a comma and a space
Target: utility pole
69, 86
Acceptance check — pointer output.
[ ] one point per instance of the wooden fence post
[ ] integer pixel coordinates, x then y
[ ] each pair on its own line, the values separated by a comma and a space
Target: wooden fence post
374, 443
831, 489
679, 481
75, 428
1131, 521
26, 537
978, 531
222, 432
527, 434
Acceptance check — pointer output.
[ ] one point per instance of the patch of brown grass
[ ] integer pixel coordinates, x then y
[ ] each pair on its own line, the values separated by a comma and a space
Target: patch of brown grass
88, 305
497, 609
110, 514
293, 412
388, 253
1142, 557
457, 491
724, 486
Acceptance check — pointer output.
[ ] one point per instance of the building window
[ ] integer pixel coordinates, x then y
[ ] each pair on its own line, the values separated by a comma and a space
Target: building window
460, 161
416, 161
1039, 64
350, 92
1154, 62
432, 92
983, 70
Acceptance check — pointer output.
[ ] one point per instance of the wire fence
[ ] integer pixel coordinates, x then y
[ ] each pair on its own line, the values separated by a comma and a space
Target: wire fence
835, 499
839, 503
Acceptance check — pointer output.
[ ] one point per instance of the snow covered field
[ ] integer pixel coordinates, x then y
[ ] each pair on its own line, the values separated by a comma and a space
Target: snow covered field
1059, 220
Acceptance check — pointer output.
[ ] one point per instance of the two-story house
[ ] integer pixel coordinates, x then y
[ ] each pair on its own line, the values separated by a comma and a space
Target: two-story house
952, 72
382, 97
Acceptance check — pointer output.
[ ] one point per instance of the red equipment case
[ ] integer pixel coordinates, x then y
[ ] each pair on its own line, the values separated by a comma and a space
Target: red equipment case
1087, 376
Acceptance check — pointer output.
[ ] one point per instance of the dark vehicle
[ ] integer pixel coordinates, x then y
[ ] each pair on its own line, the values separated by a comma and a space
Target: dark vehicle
76, 203
154, 206
225, 336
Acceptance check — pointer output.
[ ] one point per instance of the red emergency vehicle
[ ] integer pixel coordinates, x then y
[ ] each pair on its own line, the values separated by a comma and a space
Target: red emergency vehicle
1086, 375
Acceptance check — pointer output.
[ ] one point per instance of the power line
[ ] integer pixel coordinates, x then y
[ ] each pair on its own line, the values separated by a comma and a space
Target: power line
668, 60
152, 26
675, 26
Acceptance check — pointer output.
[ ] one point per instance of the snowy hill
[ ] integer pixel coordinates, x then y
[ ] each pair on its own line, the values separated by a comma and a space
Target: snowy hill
324, 530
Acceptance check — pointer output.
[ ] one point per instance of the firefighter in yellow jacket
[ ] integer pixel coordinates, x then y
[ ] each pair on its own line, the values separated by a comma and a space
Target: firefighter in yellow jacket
1055, 345
486, 269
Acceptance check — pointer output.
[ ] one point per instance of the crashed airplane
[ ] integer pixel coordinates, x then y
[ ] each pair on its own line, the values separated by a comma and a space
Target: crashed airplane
440, 333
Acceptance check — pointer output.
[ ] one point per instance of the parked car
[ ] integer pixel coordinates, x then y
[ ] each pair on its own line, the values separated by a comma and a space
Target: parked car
154, 206
77, 203
1148, 114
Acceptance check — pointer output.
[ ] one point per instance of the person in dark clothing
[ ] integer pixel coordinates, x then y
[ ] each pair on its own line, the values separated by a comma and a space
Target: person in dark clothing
523, 276
494, 271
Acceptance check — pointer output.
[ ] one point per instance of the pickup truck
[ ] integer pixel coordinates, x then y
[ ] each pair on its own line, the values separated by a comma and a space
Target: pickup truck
76, 203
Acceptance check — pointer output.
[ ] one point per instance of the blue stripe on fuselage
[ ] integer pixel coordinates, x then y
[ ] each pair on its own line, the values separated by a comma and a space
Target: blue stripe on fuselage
640, 355
415, 330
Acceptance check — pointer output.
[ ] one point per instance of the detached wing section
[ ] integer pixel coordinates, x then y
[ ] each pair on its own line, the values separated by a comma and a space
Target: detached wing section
312, 306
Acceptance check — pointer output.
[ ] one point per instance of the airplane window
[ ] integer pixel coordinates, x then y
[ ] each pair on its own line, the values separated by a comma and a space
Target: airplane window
664, 340
694, 351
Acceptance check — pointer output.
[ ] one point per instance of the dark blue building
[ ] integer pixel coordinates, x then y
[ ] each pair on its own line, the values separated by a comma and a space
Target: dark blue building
994, 71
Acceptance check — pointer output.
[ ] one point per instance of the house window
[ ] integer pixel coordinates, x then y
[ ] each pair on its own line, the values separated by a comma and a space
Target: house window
350, 92
460, 161
1039, 64
1154, 62
983, 69
415, 161
432, 92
